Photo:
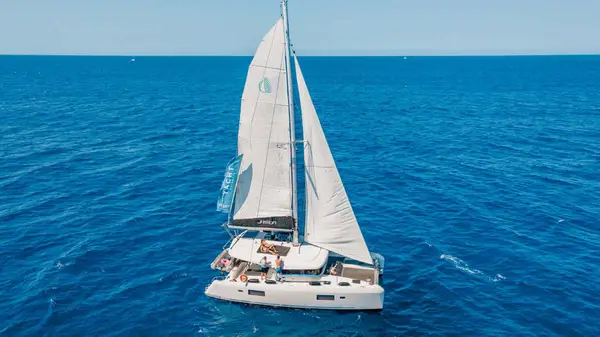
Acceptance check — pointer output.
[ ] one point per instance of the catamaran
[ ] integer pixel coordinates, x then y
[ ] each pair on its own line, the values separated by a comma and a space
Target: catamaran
267, 261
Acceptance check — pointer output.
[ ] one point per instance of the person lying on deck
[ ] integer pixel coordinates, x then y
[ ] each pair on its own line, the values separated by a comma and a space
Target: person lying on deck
267, 247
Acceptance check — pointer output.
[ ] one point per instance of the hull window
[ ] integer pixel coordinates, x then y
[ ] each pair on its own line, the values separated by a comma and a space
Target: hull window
325, 297
256, 292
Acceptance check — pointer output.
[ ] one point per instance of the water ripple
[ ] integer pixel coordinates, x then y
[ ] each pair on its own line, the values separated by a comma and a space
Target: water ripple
476, 178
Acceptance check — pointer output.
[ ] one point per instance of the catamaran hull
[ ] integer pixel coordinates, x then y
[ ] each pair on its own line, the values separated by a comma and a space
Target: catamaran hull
299, 295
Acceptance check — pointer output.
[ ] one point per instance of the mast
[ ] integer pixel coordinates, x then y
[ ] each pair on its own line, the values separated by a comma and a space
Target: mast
291, 112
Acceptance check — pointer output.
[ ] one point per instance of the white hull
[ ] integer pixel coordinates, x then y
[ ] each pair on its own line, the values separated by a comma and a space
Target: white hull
301, 294
304, 282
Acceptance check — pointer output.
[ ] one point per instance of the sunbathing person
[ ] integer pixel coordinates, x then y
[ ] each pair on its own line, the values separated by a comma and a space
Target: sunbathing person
266, 247
225, 262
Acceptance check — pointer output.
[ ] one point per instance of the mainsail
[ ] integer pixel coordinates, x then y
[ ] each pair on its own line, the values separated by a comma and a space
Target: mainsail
330, 220
264, 192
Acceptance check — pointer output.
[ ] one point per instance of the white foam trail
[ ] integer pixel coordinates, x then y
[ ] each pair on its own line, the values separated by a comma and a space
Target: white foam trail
60, 265
497, 278
460, 264
75, 247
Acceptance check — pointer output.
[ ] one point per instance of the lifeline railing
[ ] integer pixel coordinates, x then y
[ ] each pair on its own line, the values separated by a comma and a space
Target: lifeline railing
236, 238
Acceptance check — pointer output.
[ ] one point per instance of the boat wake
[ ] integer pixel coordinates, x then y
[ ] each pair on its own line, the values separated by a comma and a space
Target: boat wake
463, 266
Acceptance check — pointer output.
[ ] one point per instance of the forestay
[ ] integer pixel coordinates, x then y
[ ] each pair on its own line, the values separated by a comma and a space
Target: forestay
264, 191
330, 220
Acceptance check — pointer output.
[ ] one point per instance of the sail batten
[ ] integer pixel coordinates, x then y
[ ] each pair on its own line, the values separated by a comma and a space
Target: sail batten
264, 191
330, 220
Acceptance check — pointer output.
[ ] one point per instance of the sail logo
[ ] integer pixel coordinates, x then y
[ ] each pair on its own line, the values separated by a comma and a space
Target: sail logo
264, 86
267, 222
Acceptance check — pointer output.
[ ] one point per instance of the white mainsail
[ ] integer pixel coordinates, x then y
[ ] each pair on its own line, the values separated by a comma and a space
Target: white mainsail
330, 220
264, 188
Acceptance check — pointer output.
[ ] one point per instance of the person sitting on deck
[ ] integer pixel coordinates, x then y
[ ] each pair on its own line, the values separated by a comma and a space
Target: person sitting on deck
225, 263
332, 270
267, 247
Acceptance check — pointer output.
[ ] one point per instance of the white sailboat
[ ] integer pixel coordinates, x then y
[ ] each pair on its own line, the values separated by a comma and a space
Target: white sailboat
330, 267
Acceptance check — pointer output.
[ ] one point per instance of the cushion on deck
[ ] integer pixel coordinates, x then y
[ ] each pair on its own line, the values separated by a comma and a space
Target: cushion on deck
281, 251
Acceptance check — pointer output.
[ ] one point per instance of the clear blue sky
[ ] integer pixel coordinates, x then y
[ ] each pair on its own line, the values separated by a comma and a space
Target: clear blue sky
318, 27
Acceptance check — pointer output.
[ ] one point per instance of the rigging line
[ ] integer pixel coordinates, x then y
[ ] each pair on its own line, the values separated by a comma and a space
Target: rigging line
265, 67
292, 122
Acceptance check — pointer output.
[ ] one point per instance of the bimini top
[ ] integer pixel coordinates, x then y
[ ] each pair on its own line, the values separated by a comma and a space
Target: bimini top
302, 257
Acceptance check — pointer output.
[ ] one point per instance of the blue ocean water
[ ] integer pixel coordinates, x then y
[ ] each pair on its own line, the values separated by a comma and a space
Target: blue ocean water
476, 177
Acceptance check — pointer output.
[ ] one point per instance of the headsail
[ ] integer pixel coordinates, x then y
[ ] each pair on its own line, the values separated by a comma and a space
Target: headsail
264, 193
330, 220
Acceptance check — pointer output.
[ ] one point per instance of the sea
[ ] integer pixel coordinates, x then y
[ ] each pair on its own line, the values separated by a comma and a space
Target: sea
477, 178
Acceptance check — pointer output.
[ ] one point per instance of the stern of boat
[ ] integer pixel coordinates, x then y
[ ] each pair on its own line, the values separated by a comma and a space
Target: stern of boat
213, 289
379, 261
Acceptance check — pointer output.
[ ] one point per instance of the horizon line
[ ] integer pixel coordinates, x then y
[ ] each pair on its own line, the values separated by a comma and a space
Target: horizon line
312, 55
